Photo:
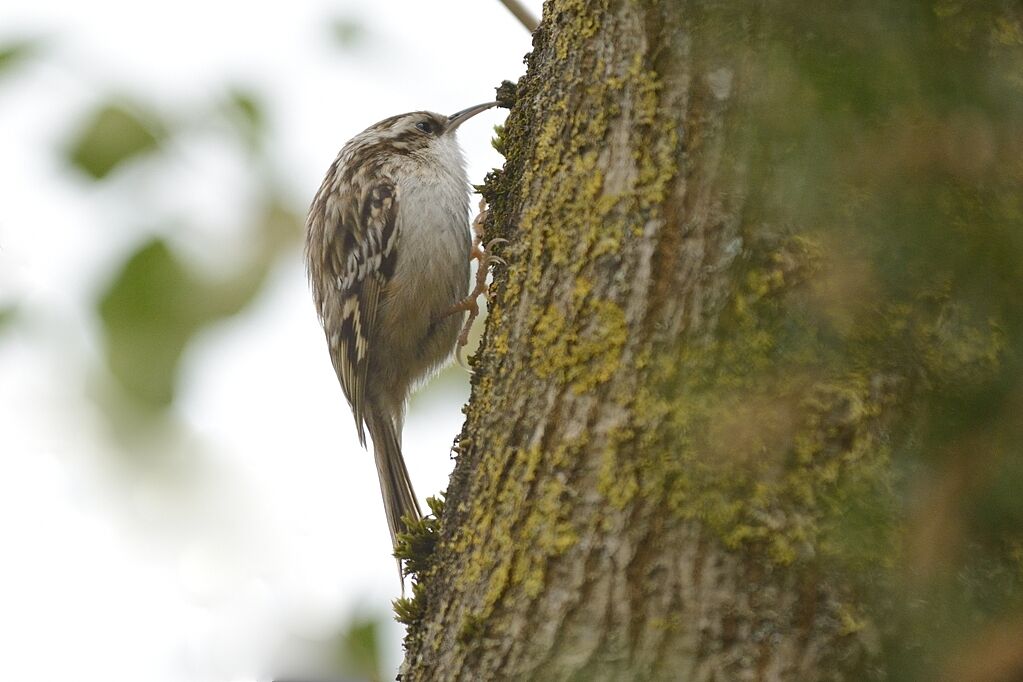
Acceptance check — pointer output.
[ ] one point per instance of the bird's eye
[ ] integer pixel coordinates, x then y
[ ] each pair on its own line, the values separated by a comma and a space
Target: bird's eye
425, 126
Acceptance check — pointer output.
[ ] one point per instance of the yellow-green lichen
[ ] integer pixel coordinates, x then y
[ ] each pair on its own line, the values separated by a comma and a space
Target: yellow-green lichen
747, 434
507, 551
617, 483
581, 359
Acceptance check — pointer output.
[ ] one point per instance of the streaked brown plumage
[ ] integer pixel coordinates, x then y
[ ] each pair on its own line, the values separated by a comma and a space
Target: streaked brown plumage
387, 250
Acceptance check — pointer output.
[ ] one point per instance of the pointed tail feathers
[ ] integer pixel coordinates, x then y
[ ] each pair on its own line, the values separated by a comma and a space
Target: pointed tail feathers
395, 484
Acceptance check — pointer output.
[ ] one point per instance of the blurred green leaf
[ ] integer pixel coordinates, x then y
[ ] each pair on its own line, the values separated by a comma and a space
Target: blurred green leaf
246, 103
279, 228
348, 33
359, 649
111, 136
7, 315
156, 303
11, 54
149, 313
153, 308
246, 111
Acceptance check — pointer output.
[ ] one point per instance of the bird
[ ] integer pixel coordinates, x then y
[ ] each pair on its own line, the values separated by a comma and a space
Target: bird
387, 251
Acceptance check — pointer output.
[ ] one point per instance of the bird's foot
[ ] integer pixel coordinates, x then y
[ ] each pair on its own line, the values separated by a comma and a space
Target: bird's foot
485, 259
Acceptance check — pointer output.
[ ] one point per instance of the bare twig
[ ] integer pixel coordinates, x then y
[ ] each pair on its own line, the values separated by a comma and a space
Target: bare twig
522, 14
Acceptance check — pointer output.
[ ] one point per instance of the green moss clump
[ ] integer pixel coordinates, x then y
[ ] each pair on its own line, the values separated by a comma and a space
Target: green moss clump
418, 542
409, 610
506, 94
415, 550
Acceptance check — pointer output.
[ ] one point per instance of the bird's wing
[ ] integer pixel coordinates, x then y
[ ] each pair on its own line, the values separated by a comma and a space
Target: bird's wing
359, 264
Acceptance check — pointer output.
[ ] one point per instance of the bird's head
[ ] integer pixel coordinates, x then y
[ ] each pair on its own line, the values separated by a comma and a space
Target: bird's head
421, 134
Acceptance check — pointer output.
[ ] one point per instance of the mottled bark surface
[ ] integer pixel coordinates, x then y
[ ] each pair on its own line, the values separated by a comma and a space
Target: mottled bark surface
672, 434
568, 553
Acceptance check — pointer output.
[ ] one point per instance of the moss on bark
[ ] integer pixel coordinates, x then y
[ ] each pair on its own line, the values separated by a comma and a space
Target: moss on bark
714, 351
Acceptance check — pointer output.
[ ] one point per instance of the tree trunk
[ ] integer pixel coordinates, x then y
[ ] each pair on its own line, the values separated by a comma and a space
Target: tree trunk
677, 457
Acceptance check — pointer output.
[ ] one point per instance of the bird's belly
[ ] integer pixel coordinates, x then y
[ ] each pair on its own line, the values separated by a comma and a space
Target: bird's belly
431, 275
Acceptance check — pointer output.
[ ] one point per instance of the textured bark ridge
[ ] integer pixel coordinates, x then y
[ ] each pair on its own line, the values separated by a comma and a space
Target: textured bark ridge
659, 449
588, 534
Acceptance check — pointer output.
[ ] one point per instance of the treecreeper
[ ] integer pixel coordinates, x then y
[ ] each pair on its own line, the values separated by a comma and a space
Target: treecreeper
388, 250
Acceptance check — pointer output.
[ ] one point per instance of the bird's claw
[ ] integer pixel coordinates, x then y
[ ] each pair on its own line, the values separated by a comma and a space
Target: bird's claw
470, 303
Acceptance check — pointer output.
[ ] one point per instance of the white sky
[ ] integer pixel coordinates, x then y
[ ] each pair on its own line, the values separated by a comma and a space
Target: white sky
264, 528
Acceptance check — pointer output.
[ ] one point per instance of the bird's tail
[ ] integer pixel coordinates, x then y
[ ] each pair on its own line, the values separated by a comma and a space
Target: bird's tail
395, 484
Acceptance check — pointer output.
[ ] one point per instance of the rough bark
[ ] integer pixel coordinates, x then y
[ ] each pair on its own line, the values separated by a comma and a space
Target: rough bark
677, 407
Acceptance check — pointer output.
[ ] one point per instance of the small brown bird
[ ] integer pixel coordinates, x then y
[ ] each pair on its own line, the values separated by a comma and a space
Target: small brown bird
388, 251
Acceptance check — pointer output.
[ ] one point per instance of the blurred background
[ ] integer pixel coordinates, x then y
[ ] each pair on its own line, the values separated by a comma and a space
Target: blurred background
182, 494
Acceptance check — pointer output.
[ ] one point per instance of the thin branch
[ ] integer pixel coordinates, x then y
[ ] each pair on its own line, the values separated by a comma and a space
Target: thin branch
522, 14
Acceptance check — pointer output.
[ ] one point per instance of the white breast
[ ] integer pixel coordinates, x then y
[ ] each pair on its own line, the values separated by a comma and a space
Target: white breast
432, 270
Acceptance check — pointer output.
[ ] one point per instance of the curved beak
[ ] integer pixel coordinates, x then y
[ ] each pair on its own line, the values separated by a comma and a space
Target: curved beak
455, 120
